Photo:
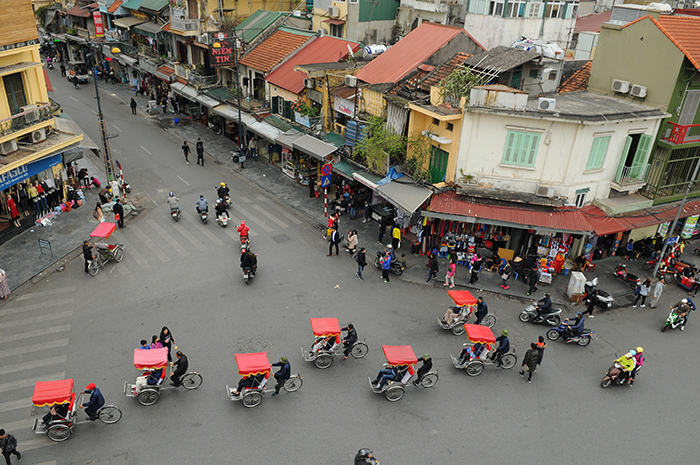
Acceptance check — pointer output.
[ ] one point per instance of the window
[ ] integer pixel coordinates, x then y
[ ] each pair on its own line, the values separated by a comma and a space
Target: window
555, 10
450, 127
597, 155
580, 197
496, 7
14, 90
438, 164
336, 30
534, 73
521, 148
516, 9
354, 2
436, 122
552, 76
534, 10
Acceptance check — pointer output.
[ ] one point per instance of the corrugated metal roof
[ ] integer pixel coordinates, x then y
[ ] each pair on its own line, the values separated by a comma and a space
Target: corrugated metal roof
325, 49
113, 7
601, 223
256, 23
408, 53
273, 50
592, 23
502, 58
153, 5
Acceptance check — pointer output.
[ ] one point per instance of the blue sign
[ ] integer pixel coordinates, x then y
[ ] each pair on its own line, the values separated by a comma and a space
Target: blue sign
325, 181
671, 240
12, 177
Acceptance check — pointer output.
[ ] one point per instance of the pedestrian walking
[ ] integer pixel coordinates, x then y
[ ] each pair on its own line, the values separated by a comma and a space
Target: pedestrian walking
97, 214
87, 254
352, 241
14, 213
175, 105
186, 151
133, 106
642, 291
241, 156
63, 70
396, 237
450, 275
164, 104
253, 148
200, 151
8, 444
505, 275
361, 260
386, 265
118, 213
166, 338
476, 268
532, 279
589, 302
433, 266
368, 211
4, 288
656, 293
334, 241
541, 345
529, 362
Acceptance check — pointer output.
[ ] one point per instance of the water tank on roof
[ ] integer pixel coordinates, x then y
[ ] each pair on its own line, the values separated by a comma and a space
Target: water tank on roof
372, 51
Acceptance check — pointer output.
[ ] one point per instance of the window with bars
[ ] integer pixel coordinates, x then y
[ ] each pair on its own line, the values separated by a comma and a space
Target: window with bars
496, 7
521, 148
516, 9
596, 157
555, 10
534, 10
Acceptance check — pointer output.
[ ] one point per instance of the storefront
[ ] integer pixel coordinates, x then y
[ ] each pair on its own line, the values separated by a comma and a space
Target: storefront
309, 153
230, 114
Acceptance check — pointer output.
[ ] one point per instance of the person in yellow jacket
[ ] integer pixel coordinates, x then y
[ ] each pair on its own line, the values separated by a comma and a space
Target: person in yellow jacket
627, 362
34, 195
396, 237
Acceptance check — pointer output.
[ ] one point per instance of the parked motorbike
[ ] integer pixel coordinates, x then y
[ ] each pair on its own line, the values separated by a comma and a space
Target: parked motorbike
396, 267
614, 375
222, 219
673, 321
175, 213
696, 251
600, 298
552, 318
667, 273
633, 280
560, 331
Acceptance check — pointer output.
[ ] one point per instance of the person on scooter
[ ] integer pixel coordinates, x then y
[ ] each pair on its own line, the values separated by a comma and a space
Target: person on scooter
349, 340
202, 205
544, 306
575, 328
221, 208
364, 456
503, 347
243, 231
627, 363
223, 191
249, 260
691, 307
639, 361
173, 202
392, 253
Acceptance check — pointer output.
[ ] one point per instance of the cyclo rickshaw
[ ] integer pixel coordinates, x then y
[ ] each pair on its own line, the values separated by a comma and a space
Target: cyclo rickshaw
466, 305
60, 393
257, 366
327, 344
404, 361
154, 364
477, 357
105, 252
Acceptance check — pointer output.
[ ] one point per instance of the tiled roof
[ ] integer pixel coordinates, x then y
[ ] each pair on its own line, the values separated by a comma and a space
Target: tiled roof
682, 31
324, 49
408, 53
273, 50
409, 84
113, 7
578, 80
444, 70
256, 24
592, 23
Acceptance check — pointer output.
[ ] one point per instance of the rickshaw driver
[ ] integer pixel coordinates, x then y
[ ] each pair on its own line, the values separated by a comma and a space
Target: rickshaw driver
95, 402
283, 374
249, 382
182, 365
427, 365
349, 340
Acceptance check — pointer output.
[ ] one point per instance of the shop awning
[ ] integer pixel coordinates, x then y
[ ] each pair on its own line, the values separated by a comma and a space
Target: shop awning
265, 130
128, 22
49, 87
344, 168
114, 6
127, 60
148, 29
207, 101
408, 197
86, 146
231, 113
335, 22
287, 139
183, 89
165, 73
366, 179
602, 224
314, 147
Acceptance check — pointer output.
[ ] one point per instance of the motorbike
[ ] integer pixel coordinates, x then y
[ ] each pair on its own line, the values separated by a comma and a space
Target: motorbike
248, 273
175, 213
614, 375
49, 65
667, 273
204, 215
583, 340
696, 251
633, 280
552, 318
245, 244
396, 267
222, 219
673, 321
601, 298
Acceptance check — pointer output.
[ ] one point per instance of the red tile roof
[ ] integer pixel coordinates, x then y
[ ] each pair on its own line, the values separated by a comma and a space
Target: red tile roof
82, 11
408, 53
444, 70
113, 7
273, 50
165, 28
592, 23
578, 80
682, 31
324, 49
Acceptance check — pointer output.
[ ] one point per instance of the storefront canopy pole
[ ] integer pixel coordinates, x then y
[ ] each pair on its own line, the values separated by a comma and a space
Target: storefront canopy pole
669, 233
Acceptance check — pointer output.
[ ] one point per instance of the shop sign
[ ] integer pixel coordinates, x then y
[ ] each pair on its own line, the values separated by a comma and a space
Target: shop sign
303, 120
663, 228
222, 56
689, 227
97, 19
12, 177
314, 96
344, 106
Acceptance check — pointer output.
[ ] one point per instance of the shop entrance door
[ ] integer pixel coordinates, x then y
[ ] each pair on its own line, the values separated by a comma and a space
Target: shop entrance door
438, 164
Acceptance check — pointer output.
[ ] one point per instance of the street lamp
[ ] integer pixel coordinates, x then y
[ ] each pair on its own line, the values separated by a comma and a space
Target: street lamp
217, 45
109, 163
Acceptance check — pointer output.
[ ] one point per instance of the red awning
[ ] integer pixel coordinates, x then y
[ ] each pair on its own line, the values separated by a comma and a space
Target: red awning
479, 333
150, 359
104, 230
80, 10
113, 7
49, 87
166, 28
462, 298
400, 355
335, 22
252, 364
52, 392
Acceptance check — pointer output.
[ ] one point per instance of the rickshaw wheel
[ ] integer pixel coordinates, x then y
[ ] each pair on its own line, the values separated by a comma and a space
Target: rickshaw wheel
118, 255
508, 361
458, 330
252, 399
58, 433
359, 350
148, 397
489, 320
429, 380
191, 381
94, 268
394, 393
323, 361
110, 414
475, 368
293, 384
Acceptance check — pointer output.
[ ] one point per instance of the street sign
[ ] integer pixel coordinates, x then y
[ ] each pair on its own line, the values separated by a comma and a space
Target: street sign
326, 180
326, 169
672, 240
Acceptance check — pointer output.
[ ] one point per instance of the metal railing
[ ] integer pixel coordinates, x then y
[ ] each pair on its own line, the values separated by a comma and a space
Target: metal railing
680, 133
631, 174
185, 25
198, 81
128, 49
25, 119
148, 51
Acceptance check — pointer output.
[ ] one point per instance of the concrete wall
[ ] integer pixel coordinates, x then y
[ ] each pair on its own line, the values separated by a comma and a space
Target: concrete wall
492, 31
641, 54
276, 91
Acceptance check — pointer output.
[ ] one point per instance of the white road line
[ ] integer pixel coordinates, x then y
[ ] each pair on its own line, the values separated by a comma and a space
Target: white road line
187, 235
168, 238
73, 98
36, 320
48, 292
135, 254
115, 127
35, 333
46, 304
183, 180
20, 425
94, 112
245, 199
37, 443
162, 256
15, 405
34, 348
146, 150
257, 221
112, 94
279, 209
202, 228
271, 216
29, 382
32, 365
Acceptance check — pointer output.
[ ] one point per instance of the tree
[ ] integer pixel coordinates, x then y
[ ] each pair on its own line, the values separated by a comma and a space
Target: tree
418, 156
459, 84
381, 147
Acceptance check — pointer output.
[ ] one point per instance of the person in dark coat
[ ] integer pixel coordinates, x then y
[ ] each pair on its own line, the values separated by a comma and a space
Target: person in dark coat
334, 241
283, 374
481, 310
182, 365
118, 213
503, 347
541, 345
433, 266
200, 151
166, 338
529, 362
87, 254
133, 106
361, 260
349, 340
532, 280
186, 152
8, 446
95, 402
476, 268
427, 365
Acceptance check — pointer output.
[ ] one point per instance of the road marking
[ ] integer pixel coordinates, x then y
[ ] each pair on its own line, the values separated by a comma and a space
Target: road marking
47, 304
245, 199
276, 207
25, 424
187, 235
94, 112
46, 293
162, 256
112, 94
34, 348
255, 219
168, 238
115, 127
146, 150
190, 219
37, 443
183, 180
32, 365
73, 98
29, 382
36, 319
15, 405
135, 254
35, 333
271, 216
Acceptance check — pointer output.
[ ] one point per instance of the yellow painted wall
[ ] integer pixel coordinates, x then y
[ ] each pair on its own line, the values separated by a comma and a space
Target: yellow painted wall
320, 15
32, 78
276, 91
373, 102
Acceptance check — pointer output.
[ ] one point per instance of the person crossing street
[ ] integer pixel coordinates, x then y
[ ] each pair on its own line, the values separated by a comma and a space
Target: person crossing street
186, 152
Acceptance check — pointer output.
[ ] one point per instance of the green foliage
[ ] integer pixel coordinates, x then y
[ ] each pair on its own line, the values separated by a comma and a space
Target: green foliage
381, 145
40, 14
300, 106
418, 157
459, 84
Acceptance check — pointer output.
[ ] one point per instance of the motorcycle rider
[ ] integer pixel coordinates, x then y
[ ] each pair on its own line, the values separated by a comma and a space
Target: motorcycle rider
364, 456
627, 363
691, 307
683, 308
639, 361
223, 191
243, 231
392, 254
173, 202
221, 208
575, 328
249, 260
202, 205
544, 306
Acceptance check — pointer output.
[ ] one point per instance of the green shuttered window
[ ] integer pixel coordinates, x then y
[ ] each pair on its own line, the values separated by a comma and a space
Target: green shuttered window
521, 148
597, 155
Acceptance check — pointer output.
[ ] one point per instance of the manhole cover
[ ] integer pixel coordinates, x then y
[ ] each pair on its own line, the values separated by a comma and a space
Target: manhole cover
281, 238
254, 344
320, 227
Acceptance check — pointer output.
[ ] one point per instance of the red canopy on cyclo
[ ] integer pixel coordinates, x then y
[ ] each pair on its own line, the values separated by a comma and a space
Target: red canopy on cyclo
399, 355
478, 333
150, 359
462, 298
323, 327
104, 230
252, 364
52, 392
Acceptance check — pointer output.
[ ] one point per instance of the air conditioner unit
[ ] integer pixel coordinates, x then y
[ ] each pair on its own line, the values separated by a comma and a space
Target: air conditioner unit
638, 91
309, 83
350, 81
333, 11
620, 86
321, 32
38, 136
8, 147
32, 116
546, 104
203, 39
544, 191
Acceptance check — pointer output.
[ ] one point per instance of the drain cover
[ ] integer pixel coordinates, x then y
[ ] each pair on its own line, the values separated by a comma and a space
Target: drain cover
281, 238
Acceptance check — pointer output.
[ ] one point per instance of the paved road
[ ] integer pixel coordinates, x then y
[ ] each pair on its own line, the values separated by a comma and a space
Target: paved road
185, 275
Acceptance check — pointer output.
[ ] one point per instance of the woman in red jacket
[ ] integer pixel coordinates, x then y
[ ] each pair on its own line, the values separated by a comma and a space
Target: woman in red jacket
13, 210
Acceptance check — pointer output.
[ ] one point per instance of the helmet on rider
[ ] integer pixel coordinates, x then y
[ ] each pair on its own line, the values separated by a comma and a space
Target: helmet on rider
579, 314
631, 353
201, 196
547, 294
223, 184
364, 453
639, 350
171, 194
684, 301
389, 246
242, 222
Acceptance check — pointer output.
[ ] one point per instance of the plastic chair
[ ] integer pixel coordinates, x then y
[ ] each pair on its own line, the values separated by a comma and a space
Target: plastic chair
443, 252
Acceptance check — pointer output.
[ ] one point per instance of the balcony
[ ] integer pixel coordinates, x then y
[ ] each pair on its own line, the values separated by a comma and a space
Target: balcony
182, 71
25, 120
180, 24
683, 133
630, 179
199, 81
